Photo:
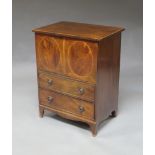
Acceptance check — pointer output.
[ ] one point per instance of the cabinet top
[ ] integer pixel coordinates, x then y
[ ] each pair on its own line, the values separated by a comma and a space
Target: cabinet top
79, 30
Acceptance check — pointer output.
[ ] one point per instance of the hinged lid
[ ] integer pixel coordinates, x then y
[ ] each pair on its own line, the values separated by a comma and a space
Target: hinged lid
79, 30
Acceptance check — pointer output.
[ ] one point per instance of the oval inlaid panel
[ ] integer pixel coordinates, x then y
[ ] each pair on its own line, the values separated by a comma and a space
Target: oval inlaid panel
80, 59
49, 54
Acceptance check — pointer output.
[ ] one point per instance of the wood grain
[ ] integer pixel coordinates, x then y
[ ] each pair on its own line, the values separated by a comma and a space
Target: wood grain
67, 104
106, 101
67, 86
72, 58
79, 30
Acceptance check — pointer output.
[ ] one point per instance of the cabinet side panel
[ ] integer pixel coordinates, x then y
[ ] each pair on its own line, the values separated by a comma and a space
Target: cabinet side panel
116, 69
107, 77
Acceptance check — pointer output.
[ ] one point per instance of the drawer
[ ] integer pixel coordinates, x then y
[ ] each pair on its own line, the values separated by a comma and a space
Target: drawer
65, 103
67, 86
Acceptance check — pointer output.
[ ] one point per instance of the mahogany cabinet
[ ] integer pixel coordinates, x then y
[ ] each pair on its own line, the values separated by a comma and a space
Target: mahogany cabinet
78, 70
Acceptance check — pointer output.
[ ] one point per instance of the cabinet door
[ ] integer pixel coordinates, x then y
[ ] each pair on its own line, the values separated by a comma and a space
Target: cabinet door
81, 59
70, 57
48, 53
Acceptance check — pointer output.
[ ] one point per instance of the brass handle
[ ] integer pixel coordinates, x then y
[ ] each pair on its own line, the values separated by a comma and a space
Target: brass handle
81, 109
50, 99
81, 91
50, 82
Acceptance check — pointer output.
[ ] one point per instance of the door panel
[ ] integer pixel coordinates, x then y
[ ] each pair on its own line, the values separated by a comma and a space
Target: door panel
70, 57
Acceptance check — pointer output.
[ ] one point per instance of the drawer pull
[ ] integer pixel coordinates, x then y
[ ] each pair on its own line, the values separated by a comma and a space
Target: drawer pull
81, 109
50, 99
50, 82
81, 91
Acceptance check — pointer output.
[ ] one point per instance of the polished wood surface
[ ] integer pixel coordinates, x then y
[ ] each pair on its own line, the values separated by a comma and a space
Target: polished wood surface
108, 71
72, 58
67, 104
79, 30
67, 86
78, 71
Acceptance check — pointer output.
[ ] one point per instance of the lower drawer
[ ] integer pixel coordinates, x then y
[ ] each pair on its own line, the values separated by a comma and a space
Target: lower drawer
66, 103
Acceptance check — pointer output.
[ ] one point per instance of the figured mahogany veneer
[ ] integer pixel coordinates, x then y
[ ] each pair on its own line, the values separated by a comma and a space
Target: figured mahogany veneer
78, 70
67, 86
64, 58
66, 104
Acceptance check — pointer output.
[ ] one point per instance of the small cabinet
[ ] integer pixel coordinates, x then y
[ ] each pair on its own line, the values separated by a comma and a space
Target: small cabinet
78, 71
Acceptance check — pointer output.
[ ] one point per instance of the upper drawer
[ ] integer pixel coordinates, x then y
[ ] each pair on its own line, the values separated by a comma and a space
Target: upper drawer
67, 86
74, 58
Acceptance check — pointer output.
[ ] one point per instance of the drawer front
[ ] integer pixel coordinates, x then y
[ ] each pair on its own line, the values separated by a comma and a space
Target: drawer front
67, 86
66, 103
70, 57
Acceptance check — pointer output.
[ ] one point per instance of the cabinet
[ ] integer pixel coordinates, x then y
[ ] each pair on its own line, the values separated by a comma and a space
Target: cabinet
78, 70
